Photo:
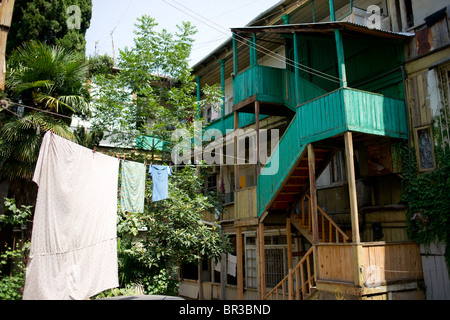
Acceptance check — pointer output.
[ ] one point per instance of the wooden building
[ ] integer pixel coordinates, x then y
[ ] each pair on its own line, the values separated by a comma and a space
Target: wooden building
321, 217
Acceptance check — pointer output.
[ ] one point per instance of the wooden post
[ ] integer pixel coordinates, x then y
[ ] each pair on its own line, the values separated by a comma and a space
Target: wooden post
341, 58
200, 286
351, 185
290, 264
393, 15
6, 12
236, 151
235, 56
258, 162
312, 189
223, 275
358, 275
261, 261
240, 271
298, 92
404, 15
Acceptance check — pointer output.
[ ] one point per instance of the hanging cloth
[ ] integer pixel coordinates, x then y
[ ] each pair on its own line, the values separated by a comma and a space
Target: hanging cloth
160, 176
73, 253
132, 189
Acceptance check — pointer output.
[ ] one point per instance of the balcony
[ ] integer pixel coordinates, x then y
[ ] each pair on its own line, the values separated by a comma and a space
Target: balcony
272, 87
330, 115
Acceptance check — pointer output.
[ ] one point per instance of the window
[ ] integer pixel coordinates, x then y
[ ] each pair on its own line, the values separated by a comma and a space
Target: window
425, 150
208, 114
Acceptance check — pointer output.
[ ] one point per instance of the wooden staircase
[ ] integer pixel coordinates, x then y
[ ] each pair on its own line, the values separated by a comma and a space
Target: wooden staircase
299, 284
329, 231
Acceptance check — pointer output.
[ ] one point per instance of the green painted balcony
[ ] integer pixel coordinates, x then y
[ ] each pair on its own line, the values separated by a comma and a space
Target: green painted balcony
332, 114
271, 87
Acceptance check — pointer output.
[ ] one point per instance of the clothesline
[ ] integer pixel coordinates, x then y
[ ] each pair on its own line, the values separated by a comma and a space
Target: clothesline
4, 104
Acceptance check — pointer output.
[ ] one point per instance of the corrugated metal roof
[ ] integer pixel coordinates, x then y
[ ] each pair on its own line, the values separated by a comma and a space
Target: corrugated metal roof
324, 27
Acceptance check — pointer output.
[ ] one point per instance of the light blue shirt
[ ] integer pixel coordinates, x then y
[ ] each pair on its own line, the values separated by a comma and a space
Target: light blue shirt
160, 175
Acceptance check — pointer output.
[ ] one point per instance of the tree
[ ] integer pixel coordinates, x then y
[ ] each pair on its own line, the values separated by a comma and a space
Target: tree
49, 79
152, 95
46, 21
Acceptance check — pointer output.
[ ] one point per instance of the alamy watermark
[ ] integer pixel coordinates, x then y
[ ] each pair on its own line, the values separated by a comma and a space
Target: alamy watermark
235, 147
74, 19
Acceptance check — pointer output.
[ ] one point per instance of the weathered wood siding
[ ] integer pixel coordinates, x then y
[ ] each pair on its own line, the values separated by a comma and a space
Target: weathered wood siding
245, 203
382, 263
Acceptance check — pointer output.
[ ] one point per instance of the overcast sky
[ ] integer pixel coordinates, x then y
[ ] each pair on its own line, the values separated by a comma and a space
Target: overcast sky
213, 19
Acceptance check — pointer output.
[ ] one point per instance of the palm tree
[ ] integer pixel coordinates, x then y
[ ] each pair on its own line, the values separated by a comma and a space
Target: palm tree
49, 77
52, 81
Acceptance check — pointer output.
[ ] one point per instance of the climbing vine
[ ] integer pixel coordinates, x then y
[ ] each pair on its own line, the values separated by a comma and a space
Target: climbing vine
427, 196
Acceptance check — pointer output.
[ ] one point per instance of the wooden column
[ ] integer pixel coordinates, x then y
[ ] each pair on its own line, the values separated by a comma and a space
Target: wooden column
290, 264
341, 58
358, 275
200, 286
6, 12
240, 270
393, 15
235, 56
237, 183
404, 15
350, 165
258, 162
261, 261
298, 92
223, 275
312, 188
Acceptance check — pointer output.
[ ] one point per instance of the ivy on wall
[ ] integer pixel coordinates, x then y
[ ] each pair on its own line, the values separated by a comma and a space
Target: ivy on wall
427, 196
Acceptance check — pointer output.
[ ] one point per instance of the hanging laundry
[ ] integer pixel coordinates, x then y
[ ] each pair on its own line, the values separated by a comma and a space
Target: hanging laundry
231, 265
132, 189
160, 176
73, 252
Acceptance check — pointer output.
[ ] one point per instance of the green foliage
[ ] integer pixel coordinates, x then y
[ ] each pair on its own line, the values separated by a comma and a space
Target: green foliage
49, 77
88, 139
427, 196
14, 215
154, 92
175, 234
11, 286
46, 21
100, 65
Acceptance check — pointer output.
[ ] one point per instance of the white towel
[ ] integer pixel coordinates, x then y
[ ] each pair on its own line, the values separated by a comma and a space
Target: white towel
73, 251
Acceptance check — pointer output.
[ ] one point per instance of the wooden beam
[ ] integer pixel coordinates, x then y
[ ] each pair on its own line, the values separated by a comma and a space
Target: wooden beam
312, 184
240, 271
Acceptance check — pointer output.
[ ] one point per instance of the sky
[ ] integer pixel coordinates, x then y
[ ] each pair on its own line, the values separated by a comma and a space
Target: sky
212, 18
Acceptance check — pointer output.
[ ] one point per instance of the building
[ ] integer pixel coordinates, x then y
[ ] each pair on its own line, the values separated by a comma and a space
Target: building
344, 82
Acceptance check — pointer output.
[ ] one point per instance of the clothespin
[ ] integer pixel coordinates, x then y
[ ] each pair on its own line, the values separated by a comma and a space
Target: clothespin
145, 163
118, 158
95, 148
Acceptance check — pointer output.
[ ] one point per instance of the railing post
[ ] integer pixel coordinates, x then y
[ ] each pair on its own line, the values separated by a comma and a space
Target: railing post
290, 264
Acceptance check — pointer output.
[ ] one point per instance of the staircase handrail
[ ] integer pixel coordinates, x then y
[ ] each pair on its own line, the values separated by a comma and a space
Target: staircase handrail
338, 229
301, 289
